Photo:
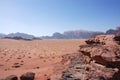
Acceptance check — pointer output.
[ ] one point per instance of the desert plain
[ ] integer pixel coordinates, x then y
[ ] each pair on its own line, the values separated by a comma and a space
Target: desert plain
43, 57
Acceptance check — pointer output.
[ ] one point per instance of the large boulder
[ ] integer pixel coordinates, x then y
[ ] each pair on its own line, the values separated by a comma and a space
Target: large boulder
28, 76
12, 77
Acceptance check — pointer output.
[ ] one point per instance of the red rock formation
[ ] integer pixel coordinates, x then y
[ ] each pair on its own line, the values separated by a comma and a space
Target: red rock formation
100, 60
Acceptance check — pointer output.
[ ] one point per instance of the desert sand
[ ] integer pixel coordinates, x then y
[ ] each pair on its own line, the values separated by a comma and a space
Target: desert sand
40, 56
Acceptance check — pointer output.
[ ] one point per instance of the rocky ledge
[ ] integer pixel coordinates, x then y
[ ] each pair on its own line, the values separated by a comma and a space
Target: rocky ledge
98, 59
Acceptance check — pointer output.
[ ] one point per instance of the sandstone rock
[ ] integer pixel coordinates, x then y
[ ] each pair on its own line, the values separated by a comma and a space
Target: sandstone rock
102, 54
12, 77
28, 76
99, 59
101, 39
95, 40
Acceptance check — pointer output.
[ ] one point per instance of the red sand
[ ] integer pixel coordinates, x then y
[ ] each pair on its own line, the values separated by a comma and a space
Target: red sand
40, 56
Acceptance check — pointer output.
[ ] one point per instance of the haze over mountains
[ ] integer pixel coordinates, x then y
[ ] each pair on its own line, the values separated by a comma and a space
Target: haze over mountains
18, 36
75, 34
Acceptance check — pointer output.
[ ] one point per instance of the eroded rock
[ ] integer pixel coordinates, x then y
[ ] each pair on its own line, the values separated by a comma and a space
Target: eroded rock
99, 60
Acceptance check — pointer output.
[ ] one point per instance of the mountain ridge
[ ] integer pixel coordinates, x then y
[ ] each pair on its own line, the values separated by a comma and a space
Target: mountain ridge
71, 34
19, 36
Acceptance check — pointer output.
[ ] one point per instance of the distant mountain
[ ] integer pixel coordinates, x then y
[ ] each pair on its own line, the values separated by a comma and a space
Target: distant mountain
114, 31
80, 34
110, 31
19, 36
2, 35
77, 34
23, 35
57, 35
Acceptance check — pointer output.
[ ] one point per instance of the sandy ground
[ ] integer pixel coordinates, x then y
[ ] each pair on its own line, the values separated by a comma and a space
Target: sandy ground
39, 56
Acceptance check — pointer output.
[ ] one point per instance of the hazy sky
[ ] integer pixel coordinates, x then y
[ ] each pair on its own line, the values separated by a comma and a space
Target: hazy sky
44, 17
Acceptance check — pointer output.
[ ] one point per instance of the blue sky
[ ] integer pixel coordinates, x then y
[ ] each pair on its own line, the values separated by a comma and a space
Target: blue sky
44, 17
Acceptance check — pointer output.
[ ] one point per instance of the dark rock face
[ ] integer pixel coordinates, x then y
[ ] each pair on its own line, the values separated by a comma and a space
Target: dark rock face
117, 38
116, 76
28, 76
74, 68
96, 61
12, 77
117, 35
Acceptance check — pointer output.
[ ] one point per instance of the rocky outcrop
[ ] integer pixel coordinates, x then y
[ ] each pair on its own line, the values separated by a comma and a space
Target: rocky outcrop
101, 39
99, 59
28, 76
103, 54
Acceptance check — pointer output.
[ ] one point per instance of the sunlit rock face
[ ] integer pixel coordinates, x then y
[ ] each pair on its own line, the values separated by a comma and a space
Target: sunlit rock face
99, 59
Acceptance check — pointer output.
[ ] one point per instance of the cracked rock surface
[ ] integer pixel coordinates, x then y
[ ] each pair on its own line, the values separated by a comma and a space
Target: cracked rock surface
98, 59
